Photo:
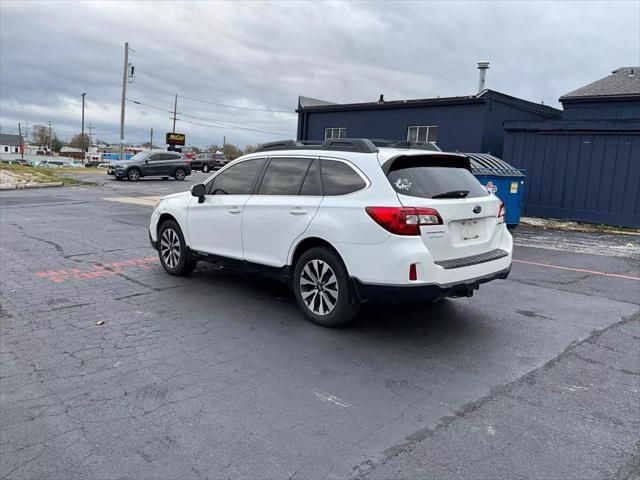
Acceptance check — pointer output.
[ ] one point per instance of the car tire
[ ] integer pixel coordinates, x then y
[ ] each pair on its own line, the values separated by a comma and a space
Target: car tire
133, 174
179, 174
320, 278
172, 250
205, 168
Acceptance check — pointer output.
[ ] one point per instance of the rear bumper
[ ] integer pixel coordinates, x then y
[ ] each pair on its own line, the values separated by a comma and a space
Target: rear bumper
417, 293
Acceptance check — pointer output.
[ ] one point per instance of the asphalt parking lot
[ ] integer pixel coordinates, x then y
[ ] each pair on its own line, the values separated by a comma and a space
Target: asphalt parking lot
110, 368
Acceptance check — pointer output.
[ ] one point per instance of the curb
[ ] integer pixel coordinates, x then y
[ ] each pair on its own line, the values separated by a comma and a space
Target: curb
31, 185
574, 226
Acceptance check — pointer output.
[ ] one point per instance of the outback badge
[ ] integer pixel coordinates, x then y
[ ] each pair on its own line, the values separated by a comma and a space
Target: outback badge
477, 209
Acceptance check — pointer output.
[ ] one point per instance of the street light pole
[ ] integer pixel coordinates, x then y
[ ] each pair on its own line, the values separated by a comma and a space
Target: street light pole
82, 135
124, 96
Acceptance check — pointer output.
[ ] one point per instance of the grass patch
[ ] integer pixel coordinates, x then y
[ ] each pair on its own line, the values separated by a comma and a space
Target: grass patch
46, 175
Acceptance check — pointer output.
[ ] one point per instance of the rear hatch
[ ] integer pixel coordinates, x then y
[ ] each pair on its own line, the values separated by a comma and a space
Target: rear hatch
470, 224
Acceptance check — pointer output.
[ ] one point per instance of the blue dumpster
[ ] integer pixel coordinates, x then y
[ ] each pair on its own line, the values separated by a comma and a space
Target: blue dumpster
502, 179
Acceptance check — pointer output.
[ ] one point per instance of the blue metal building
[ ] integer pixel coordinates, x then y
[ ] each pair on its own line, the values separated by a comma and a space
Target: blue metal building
466, 124
585, 166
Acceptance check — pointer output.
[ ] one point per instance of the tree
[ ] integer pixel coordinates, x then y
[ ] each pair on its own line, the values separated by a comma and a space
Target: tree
249, 149
40, 135
80, 141
213, 148
231, 151
56, 144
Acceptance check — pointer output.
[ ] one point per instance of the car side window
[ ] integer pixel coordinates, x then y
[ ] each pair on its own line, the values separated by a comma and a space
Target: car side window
172, 156
238, 179
311, 185
156, 157
338, 178
284, 176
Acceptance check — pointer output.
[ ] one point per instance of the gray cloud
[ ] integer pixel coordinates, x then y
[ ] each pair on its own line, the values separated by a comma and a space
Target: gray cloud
262, 55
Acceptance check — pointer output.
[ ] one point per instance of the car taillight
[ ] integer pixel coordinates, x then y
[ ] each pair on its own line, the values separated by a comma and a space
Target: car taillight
404, 220
501, 213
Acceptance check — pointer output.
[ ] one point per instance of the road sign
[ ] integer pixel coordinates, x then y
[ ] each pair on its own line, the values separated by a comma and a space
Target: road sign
176, 138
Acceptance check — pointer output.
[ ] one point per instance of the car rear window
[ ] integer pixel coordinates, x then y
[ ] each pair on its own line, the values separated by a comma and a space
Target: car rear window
435, 181
338, 178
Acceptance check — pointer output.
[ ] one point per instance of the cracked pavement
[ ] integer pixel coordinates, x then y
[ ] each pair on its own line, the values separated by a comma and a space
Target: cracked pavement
218, 375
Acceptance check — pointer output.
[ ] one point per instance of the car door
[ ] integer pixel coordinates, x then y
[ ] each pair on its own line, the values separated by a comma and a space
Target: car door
171, 162
215, 225
281, 209
196, 162
153, 164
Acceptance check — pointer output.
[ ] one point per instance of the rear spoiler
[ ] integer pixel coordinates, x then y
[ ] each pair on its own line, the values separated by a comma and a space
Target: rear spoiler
432, 160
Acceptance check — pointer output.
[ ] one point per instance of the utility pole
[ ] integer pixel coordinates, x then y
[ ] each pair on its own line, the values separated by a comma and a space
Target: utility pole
90, 131
82, 134
175, 112
124, 96
50, 135
20, 140
151, 141
224, 140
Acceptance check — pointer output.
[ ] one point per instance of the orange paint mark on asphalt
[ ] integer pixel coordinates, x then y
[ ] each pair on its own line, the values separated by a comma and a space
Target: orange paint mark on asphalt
581, 270
105, 270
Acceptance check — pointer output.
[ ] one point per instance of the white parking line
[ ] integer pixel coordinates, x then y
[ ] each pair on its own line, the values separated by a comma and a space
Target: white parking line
151, 200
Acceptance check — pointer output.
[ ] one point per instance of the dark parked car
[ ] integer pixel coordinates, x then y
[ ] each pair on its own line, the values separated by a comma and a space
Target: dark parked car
152, 163
208, 161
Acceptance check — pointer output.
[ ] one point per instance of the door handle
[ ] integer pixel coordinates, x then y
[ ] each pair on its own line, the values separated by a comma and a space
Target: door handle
235, 210
298, 211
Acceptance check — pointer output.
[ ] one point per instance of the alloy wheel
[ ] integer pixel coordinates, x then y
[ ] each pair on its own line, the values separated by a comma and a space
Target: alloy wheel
319, 287
180, 174
170, 248
134, 175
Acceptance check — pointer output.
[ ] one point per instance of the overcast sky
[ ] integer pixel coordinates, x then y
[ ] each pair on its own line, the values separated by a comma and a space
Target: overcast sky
262, 55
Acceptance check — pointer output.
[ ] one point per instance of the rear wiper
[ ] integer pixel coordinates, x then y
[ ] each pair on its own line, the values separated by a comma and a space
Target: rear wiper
453, 194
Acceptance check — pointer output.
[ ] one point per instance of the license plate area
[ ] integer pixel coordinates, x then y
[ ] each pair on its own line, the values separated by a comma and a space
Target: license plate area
468, 230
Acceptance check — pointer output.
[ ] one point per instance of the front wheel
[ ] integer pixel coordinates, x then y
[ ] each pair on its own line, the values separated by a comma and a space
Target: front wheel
321, 287
205, 168
172, 249
180, 174
133, 175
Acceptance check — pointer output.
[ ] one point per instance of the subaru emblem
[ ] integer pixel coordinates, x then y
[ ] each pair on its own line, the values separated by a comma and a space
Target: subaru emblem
477, 209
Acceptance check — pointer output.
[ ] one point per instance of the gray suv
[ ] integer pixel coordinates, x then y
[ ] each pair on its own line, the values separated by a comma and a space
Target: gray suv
151, 163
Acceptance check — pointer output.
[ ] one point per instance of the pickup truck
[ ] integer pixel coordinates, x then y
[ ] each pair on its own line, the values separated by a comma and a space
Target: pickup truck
208, 161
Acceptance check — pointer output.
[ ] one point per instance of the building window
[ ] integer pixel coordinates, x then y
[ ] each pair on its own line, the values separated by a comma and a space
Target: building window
335, 132
422, 134
6, 149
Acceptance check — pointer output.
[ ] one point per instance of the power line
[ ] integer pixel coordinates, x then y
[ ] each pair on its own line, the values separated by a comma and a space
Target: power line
216, 103
212, 123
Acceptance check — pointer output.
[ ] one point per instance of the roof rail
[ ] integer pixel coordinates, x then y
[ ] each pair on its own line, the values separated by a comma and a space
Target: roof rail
382, 142
416, 145
361, 145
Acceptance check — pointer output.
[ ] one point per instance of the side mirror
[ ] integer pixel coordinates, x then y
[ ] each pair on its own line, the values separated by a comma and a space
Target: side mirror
198, 191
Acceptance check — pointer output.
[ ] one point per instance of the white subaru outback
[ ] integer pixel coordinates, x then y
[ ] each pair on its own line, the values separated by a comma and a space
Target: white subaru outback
342, 222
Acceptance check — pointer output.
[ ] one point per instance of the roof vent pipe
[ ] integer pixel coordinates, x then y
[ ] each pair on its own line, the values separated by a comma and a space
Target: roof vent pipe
483, 67
381, 99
